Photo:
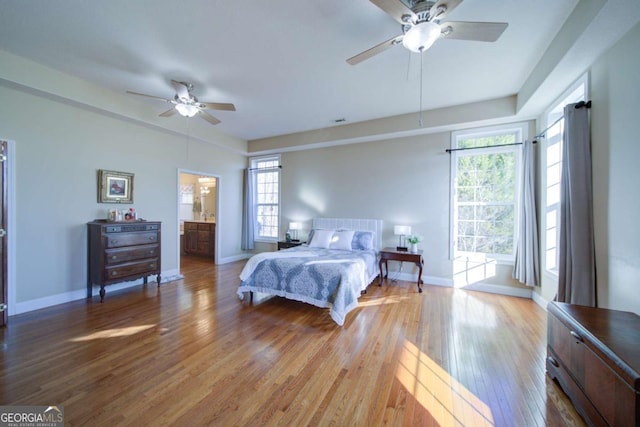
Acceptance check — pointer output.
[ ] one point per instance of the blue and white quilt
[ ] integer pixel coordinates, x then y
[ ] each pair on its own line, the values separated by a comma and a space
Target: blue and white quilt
330, 278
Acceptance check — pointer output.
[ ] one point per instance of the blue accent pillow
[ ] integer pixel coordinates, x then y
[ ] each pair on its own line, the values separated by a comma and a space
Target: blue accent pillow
362, 241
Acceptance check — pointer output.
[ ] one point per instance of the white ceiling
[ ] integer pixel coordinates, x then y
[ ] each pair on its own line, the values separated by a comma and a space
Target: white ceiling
281, 62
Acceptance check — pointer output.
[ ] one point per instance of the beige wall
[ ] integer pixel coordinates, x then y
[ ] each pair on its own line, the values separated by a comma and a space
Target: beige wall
615, 91
401, 181
65, 129
60, 145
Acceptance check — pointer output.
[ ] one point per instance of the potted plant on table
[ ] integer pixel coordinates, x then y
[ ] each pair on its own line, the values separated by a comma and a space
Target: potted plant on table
413, 241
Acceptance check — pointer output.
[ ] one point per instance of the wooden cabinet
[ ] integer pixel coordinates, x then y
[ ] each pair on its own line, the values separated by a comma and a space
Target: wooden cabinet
594, 354
120, 252
392, 254
199, 238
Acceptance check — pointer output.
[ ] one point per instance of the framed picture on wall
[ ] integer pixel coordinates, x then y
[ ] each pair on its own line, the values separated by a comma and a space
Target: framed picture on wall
115, 187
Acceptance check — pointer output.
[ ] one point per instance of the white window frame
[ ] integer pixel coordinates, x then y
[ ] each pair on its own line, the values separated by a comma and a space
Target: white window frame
553, 122
254, 162
521, 130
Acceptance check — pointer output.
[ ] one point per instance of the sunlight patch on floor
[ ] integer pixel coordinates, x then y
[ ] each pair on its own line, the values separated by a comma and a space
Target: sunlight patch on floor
392, 299
446, 400
467, 271
113, 333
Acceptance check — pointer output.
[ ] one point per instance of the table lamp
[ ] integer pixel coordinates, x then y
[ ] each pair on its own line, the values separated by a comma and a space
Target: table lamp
402, 231
294, 227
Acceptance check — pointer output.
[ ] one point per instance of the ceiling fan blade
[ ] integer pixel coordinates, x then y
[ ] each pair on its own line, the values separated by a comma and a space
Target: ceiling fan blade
218, 106
181, 89
149, 96
168, 113
375, 50
396, 9
208, 117
478, 31
449, 5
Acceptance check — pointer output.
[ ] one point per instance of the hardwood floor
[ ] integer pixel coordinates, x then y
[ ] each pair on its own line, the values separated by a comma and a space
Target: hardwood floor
191, 353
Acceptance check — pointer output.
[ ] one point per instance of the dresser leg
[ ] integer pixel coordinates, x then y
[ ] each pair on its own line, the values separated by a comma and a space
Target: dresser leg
158, 280
102, 292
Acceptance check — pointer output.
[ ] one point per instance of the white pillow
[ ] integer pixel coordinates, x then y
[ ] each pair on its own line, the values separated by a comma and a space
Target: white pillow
321, 239
342, 240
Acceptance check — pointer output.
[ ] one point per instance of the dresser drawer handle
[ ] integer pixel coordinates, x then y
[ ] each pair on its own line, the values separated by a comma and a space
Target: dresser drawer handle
114, 273
152, 265
113, 242
553, 361
114, 257
576, 335
152, 237
152, 252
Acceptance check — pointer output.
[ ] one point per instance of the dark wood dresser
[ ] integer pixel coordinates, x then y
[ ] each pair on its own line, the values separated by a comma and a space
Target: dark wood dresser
594, 354
200, 238
122, 251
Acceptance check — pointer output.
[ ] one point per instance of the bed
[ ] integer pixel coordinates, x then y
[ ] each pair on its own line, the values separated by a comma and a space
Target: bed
330, 271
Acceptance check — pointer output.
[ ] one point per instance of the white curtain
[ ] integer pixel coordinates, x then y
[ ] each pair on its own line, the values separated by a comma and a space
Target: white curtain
526, 268
248, 216
577, 267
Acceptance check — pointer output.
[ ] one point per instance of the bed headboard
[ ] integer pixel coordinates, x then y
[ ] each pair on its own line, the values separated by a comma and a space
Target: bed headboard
374, 225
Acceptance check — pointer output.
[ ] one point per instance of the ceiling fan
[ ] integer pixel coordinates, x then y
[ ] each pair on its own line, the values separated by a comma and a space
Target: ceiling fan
422, 26
187, 105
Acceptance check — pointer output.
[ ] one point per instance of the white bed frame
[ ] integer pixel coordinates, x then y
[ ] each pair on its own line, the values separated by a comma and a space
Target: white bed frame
374, 225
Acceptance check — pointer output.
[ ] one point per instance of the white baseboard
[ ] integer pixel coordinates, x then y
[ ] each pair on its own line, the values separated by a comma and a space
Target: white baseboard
483, 287
49, 301
430, 280
234, 258
500, 289
540, 300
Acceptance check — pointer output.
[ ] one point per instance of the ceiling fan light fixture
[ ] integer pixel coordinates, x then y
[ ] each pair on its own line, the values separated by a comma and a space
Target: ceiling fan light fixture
421, 36
187, 110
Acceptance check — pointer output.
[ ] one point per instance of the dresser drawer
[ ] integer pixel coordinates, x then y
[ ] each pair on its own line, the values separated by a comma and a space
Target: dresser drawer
149, 266
117, 240
125, 254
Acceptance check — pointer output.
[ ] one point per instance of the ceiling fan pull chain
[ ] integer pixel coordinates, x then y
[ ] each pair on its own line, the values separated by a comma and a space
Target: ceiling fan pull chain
421, 65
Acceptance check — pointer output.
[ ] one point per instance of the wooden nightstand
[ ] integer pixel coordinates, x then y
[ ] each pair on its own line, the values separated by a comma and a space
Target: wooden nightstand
287, 245
391, 254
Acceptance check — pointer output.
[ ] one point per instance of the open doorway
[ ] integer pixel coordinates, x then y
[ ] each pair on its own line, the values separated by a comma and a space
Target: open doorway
198, 215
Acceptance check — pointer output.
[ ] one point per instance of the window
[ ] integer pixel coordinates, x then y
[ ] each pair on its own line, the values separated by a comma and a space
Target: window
552, 170
266, 176
485, 192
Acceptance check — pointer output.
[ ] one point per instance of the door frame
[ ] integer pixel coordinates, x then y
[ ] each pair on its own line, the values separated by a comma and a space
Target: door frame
217, 212
11, 227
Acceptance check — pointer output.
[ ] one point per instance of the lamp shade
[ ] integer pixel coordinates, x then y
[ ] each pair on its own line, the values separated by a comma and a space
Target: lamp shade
295, 226
421, 36
401, 230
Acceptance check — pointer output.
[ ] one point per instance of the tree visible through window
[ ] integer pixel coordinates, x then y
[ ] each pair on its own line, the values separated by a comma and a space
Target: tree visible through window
485, 192
267, 195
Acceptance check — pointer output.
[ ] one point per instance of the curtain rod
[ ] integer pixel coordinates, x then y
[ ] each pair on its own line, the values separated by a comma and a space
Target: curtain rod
580, 104
449, 150
266, 169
